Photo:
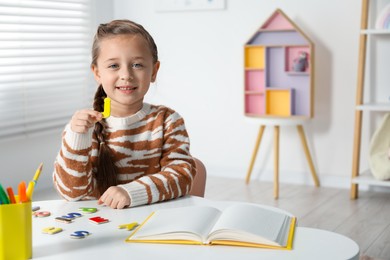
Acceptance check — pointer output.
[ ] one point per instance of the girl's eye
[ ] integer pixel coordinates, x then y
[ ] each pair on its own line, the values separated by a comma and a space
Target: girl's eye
137, 65
113, 66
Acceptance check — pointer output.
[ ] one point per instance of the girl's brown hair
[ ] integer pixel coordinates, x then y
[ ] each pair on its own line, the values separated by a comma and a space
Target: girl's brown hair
105, 174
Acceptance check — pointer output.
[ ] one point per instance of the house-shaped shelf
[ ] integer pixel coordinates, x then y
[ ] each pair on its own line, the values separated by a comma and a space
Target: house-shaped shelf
279, 70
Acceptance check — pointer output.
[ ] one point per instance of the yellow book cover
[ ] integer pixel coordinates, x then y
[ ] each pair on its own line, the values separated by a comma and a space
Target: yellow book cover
241, 224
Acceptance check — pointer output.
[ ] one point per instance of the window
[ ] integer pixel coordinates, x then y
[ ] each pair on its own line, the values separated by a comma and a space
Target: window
44, 63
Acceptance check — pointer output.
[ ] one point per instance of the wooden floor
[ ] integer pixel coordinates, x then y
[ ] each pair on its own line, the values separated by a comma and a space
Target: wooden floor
365, 220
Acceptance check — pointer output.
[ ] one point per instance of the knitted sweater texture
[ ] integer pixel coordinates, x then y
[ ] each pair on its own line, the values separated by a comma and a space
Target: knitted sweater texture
150, 150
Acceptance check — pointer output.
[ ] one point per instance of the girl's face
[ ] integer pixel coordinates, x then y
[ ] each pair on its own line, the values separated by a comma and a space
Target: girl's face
125, 68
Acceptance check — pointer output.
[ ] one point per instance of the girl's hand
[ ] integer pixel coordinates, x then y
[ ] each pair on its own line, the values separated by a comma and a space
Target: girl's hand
84, 119
115, 197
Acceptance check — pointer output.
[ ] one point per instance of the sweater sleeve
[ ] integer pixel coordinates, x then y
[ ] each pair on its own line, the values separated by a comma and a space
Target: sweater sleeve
72, 175
177, 168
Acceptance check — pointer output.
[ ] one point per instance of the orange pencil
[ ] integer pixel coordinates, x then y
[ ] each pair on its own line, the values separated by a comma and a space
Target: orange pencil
22, 192
11, 195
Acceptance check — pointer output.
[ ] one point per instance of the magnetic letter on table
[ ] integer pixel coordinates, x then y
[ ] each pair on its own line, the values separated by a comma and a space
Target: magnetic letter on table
79, 234
129, 226
51, 230
72, 215
88, 210
63, 220
41, 214
98, 220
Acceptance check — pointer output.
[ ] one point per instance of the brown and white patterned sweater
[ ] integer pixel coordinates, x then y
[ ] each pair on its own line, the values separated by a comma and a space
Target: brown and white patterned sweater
150, 150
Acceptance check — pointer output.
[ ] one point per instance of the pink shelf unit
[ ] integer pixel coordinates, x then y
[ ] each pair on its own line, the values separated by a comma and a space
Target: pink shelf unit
275, 83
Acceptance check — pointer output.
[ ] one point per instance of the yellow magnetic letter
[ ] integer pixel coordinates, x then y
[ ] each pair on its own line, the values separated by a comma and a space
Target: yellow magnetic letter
107, 107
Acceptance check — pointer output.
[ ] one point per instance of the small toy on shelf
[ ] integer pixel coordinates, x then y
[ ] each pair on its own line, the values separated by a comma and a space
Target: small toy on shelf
301, 63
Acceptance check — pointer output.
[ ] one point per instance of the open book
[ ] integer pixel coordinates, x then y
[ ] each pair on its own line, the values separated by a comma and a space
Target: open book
241, 224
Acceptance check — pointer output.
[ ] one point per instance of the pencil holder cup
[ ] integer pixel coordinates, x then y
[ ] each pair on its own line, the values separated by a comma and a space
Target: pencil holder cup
16, 231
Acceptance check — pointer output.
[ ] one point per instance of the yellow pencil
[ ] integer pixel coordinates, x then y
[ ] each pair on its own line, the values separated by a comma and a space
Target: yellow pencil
31, 185
30, 190
37, 173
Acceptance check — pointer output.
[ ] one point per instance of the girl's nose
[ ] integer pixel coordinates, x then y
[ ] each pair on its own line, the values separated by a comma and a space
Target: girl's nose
126, 75
126, 78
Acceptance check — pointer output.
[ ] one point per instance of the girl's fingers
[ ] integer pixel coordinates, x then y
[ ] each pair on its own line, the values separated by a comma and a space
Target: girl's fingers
102, 198
115, 198
114, 204
84, 119
88, 115
110, 202
82, 122
122, 204
94, 115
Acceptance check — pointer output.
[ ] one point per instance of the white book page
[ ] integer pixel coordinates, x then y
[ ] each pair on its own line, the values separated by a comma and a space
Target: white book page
168, 223
250, 223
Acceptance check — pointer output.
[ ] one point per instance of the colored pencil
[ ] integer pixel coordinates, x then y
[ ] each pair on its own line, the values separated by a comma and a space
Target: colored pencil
11, 195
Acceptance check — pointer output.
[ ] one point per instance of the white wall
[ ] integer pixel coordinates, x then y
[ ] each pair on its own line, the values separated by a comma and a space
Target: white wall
201, 76
20, 158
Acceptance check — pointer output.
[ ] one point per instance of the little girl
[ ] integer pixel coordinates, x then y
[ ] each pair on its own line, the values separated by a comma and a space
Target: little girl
140, 154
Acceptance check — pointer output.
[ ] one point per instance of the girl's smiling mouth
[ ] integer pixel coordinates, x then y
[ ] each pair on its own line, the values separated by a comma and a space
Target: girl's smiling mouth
126, 89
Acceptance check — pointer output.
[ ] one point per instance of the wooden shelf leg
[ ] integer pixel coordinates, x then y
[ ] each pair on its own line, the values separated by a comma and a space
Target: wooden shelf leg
276, 162
254, 154
307, 153
356, 153
359, 99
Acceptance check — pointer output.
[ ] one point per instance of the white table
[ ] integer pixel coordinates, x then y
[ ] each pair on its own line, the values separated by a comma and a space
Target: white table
108, 242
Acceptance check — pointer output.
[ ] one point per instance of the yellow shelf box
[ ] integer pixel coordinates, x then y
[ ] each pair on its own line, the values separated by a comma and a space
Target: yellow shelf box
279, 102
